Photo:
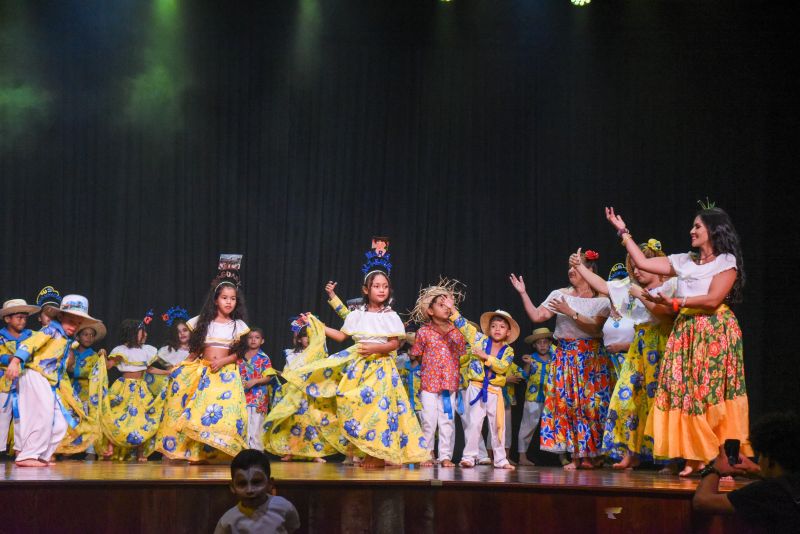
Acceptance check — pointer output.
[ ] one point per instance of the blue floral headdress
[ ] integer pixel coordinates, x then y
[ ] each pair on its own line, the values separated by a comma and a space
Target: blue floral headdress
173, 314
48, 295
378, 257
618, 272
298, 324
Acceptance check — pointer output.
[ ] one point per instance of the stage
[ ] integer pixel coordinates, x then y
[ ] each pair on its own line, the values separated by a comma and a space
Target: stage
90, 497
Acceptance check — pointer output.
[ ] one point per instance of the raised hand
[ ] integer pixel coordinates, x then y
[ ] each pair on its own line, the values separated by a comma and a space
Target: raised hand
575, 258
518, 283
447, 301
615, 220
330, 288
559, 305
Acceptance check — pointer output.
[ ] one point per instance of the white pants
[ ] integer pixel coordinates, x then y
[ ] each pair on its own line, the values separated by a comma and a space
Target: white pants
6, 416
477, 413
42, 425
433, 415
255, 422
507, 433
531, 413
482, 452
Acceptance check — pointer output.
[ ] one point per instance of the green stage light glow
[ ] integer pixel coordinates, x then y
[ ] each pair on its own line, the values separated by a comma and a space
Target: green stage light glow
155, 94
21, 107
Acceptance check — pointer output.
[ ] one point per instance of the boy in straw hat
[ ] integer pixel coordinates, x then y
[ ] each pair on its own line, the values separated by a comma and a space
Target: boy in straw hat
43, 417
492, 357
439, 345
535, 370
15, 314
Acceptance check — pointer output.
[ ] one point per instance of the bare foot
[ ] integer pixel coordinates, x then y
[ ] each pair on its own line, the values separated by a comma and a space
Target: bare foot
426, 463
320, 461
370, 462
287, 458
485, 461
447, 463
31, 463
629, 462
51, 461
691, 467
467, 464
523, 460
571, 466
142, 459
586, 463
509, 467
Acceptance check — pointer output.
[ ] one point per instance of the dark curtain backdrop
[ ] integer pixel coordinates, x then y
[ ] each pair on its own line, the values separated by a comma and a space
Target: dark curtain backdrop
483, 137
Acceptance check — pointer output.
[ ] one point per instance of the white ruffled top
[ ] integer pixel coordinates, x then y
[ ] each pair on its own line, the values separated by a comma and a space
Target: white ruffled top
222, 335
695, 279
291, 358
138, 358
566, 328
373, 327
172, 357
632, 308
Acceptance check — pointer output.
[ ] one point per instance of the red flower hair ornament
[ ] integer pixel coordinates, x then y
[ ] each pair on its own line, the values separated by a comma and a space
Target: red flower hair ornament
591, 255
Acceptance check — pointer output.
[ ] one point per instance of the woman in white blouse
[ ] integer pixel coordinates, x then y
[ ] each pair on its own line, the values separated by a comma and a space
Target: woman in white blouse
701, 399
579, 384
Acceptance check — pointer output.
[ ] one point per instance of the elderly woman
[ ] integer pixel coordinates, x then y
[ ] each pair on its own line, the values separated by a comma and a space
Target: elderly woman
580, 383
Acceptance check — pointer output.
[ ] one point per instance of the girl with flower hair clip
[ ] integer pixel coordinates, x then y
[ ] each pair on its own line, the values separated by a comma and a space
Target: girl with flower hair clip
580, 380
206, 413
372, 412
624, 439
701, 398
129, 413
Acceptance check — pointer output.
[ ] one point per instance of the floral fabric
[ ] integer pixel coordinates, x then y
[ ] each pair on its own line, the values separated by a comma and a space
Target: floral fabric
440, 355
257, 367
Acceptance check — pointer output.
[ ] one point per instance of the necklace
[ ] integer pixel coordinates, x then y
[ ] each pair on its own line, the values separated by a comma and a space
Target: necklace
706, 258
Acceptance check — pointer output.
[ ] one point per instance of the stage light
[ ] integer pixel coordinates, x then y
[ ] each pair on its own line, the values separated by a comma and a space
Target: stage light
580, 2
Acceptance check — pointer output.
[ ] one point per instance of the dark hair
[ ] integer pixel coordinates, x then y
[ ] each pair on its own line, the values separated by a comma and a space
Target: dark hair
197, 340
725, 240
172, 338
257, 329
777, 436
248, 458
129, 332
303, 332
368, 282
499, 318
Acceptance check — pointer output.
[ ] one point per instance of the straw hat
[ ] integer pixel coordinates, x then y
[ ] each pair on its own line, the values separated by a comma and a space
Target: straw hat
486, 318
13, 306
75, 305
539, 333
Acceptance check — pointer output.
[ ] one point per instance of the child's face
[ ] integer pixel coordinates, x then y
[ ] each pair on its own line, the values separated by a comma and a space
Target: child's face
378, 290
16, 321
70, 324
251, 486
438, 309
86, 337
303, 341
226, 300
183, 334
498, 329
542, 346
254, 340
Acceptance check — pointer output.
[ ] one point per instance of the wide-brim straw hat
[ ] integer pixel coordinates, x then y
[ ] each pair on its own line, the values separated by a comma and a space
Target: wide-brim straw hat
486, 318
539, 333
13, 306
99, 330
75, 305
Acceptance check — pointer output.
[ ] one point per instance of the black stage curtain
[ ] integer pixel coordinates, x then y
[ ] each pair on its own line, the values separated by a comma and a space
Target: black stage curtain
483, 137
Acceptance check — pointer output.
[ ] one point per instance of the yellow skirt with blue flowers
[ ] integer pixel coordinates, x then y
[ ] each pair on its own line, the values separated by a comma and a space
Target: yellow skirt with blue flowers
83, 425
372, 408
129, 413
213, 413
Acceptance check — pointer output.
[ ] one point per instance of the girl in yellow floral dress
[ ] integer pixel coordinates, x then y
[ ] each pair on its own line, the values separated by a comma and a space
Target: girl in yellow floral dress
129, 412
205, 412
371, 411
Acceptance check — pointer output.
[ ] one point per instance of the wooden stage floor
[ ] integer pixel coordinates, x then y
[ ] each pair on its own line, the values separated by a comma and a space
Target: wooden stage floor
336, 498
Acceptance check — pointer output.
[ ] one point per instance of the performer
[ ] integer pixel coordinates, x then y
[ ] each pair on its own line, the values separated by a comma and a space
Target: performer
48, 296
15, 315
44, 418
624, 439
207, 391
535, 370
618, 328
173, 353
440, 346
256, 372
492, 357
410, 374
463, 384
372, 411
701, 398
130, 413
580, 377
